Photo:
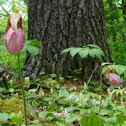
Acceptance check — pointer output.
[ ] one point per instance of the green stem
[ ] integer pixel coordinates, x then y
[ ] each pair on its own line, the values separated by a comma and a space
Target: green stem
101, 90
22, 87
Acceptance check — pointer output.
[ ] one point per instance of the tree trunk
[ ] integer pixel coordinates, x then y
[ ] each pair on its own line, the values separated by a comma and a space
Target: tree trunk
59, 24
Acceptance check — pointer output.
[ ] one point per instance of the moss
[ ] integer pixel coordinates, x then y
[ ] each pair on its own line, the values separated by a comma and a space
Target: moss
49, 124
46, 123
11, 105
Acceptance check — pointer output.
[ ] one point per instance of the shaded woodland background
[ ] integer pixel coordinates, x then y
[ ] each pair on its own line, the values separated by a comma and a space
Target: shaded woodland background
65, 93
59, 25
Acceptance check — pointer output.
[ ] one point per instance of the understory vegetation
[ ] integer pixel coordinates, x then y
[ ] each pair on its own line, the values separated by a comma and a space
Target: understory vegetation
54, 100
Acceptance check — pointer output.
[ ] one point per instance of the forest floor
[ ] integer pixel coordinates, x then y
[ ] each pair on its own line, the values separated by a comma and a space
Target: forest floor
52, 102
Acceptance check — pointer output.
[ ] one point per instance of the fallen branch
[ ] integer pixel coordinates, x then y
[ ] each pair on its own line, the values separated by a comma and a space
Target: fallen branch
92, 75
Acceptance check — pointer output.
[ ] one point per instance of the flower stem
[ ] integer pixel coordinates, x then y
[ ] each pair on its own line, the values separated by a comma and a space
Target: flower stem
101, 90
22, 87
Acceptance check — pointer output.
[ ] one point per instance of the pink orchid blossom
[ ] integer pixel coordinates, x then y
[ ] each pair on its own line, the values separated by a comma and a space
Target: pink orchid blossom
14, 34
114, 79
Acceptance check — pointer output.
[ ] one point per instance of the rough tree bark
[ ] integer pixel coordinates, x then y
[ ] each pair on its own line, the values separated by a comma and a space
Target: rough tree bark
59, 24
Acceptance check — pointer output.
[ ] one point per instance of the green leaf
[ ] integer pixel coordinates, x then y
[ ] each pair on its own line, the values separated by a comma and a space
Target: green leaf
13, 115
3, 48
50, 116
101, 52
74, 51
59, 124
122, 70
125, 74
120, 120
35, 121
16, 120
53, 75
4, 117
33, 50
89, 101
106, 63
105, 112
91, 53
61, 79
91, 120
73, 88
104, 70
111, 121
24, 48
72, 108
78, 71
48, 99
34, 42
83, 53
67, 50
70, 118
28, 42
93, 46
63, 93
119, 69
42, 114
109, 107
97, 53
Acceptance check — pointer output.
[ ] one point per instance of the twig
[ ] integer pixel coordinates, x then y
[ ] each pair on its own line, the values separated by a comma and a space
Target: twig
38, 87
1, 95
5, 10
11, 74
33, 98
91, 75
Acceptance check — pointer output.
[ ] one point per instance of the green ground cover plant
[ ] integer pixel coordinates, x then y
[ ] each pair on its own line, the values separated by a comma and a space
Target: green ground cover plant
54, 100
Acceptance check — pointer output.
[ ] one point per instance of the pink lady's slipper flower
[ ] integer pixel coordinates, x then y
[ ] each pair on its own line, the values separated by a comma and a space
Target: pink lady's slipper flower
114, 79
14, 34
